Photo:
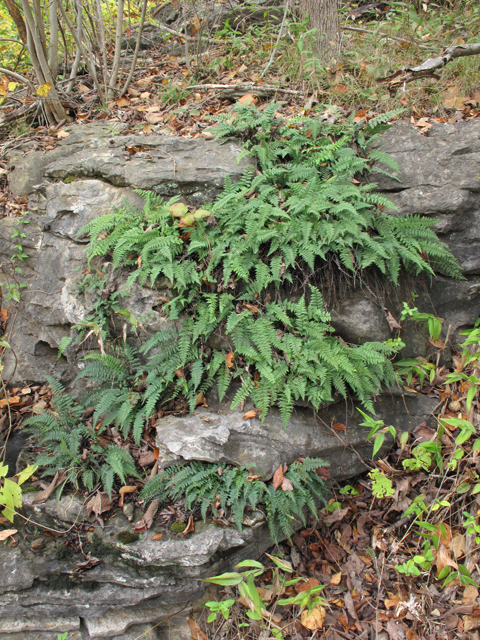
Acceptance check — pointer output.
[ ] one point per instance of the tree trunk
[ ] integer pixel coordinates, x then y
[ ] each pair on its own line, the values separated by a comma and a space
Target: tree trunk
324, 16
17, 17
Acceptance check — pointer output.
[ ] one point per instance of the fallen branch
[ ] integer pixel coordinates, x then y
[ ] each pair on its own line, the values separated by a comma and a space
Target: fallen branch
386, 35
17, 76
427, 69
259, 88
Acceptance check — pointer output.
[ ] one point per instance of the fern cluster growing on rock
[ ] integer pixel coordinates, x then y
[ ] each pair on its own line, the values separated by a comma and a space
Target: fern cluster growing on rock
233, 490
299, 208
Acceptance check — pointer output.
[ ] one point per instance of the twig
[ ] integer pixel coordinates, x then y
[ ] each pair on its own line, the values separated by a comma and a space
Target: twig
18, 77
137, 48
427, 69
280, 33
268, 88
386, 35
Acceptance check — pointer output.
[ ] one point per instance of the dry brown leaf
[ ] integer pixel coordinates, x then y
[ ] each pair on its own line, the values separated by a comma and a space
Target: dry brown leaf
470, 595
123, 491
189, 528
336, 578
278, 477
470, 622
410, 634
252, 308
196, 25
197, 633
144, 82
250, 414
248, 99
336, 516
58, 478
230, 356
287, 485
146, 459
7, 533
83, 88
458, 546
123, 102
11, 400
350, 605
150, 513
391, 320
157, 536
339, 426
62, 134
342, 88
313, 620
443, 559
154, 118
99, 503
444, 534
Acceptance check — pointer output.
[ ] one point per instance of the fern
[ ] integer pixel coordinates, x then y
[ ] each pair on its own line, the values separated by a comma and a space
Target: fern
202, 486
301, 209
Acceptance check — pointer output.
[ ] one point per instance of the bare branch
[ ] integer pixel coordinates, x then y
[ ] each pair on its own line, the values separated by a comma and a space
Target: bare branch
244, 88
17, 76
427, 69
118, 49
274, 50
137, 48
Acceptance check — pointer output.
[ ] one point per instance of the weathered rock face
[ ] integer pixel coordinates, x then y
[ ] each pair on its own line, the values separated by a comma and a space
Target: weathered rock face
145, 582
219, 435
135, 585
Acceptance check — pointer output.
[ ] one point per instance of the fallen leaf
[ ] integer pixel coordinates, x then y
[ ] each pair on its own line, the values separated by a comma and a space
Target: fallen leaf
278, 477
99, 503
458, 545
350, 605
83, 88
391, 320
470, 595
146, 522
154, 118
229, 359
7, 533
189, 528
470, 622
157, 536
248, 99
58, 478
146, 459
197, 633
250, 414
313, 620
88, 564
11, 400
336, 578
252, 308
338, 426
287, 485
123, 491
44, 89
336, 516
443, 559
323, 472
342, 88
62, 134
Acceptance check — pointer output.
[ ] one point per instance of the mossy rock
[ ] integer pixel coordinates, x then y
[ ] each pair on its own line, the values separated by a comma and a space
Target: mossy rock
127, 537
178, 527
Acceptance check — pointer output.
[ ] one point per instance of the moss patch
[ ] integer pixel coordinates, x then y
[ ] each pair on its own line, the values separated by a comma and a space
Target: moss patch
127, 537
178, 527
